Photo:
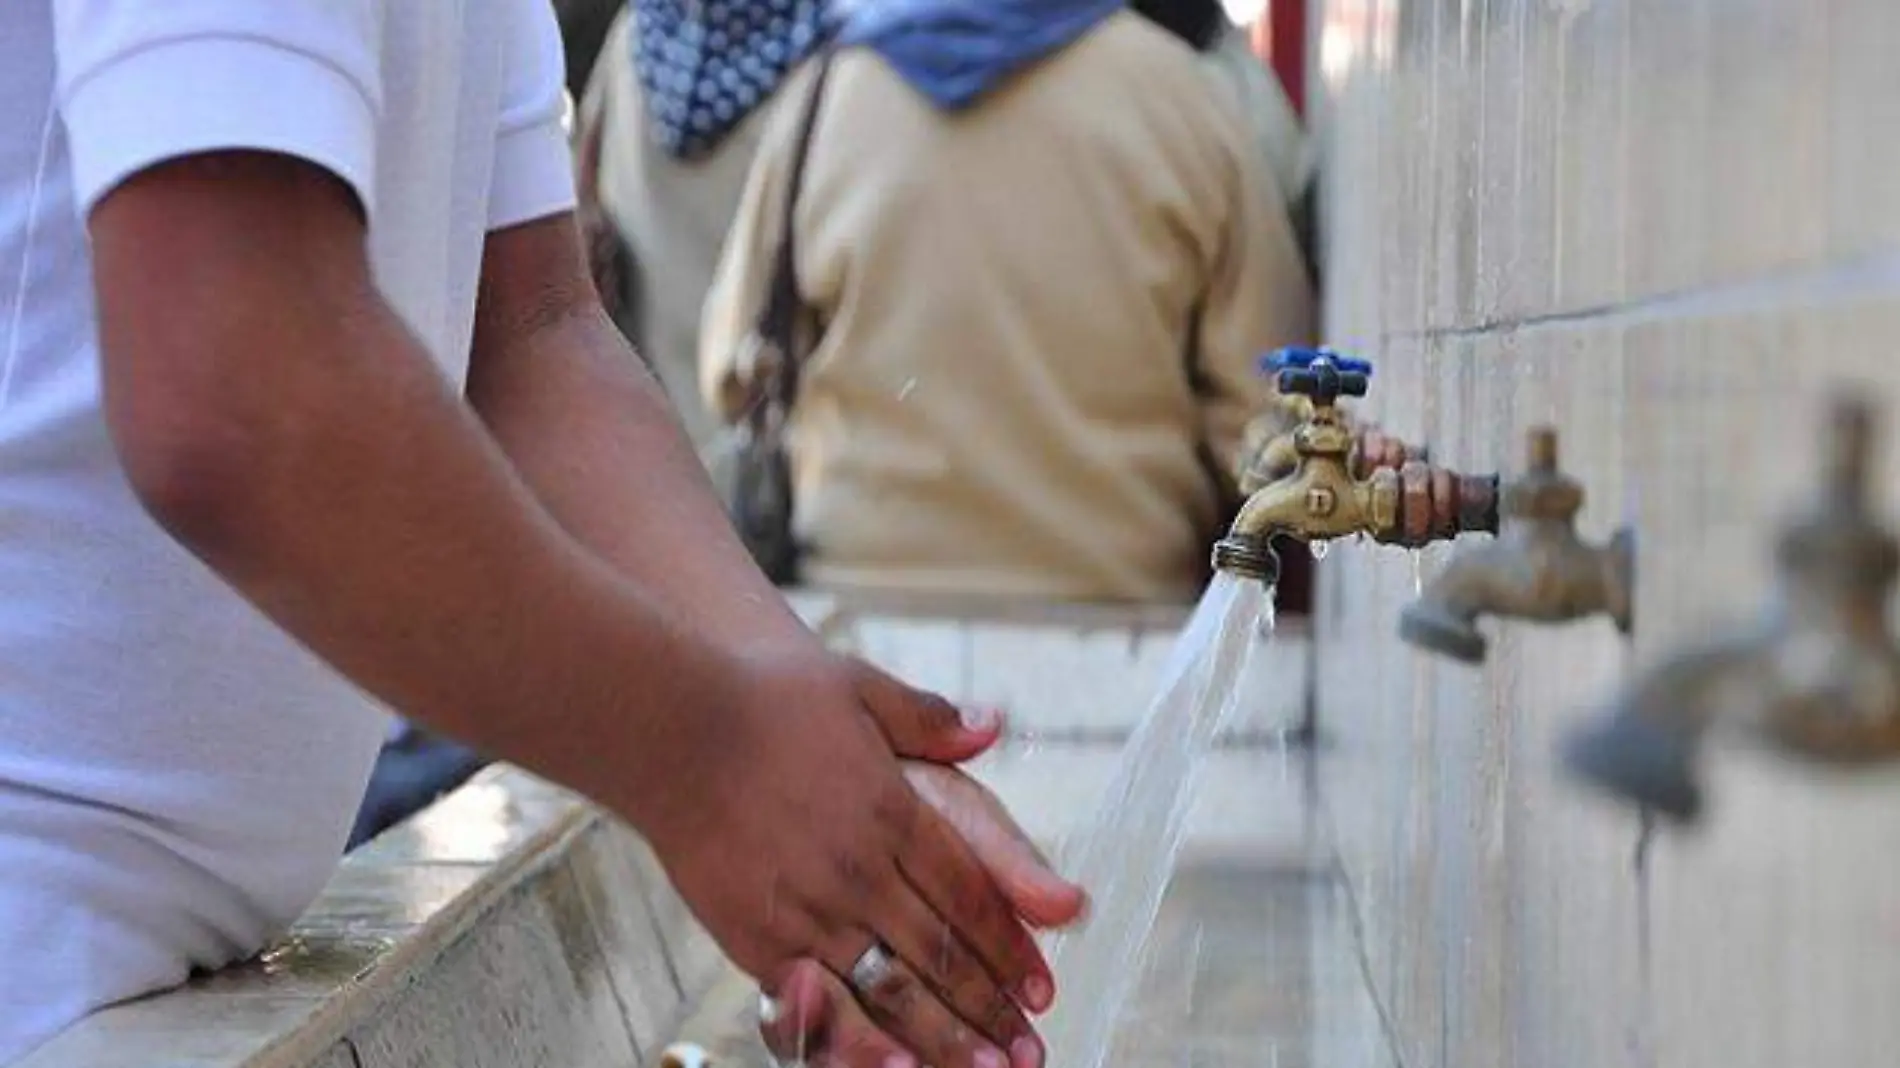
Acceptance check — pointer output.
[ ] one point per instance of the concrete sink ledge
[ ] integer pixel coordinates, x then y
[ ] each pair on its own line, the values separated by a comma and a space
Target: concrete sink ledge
513, 925
510, 924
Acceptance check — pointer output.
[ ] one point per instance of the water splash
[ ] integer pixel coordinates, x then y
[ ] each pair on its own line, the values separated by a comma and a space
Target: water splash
1126, 854
1418, 574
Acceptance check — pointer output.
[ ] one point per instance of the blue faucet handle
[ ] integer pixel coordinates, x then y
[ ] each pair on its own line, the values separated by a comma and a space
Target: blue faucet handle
1293, 358
1321, 374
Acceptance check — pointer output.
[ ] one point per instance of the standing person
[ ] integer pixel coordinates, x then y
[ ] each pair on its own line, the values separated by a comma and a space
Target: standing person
307, 404
671, 118
1041, 255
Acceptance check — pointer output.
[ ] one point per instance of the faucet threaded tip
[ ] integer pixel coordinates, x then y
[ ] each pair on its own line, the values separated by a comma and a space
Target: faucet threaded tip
1478, 504
1250, 558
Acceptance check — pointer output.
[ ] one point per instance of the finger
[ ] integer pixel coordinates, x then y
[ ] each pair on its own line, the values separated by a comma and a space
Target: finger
933, 951
1366, 457
817, 1022
920, 724
903, 1005
794, 1014
1005, 850
1415, 509
951, 879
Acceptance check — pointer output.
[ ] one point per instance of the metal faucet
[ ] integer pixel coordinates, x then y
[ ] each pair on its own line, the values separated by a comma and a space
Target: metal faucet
1537, 569
1266, 447
1818, 676
1319, 499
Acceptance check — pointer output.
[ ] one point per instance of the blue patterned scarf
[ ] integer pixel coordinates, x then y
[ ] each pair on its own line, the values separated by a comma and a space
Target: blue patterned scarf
706, 64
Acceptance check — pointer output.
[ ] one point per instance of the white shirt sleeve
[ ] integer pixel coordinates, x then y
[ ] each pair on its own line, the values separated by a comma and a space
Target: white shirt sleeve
146, 81
534, 166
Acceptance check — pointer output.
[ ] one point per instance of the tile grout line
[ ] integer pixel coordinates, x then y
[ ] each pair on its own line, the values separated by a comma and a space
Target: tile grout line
1858, 278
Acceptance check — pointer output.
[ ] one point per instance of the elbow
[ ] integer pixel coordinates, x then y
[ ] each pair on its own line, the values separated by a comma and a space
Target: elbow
196, 466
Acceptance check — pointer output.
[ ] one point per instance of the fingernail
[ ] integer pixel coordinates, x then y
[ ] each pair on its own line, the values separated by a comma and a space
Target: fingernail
900, 1060
980, 720
1025, 1052
989, 1058
1037, 993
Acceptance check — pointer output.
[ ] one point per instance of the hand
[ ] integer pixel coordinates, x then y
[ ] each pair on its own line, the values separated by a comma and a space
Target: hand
1428, 504
816, 1021
791, 830
1374, 448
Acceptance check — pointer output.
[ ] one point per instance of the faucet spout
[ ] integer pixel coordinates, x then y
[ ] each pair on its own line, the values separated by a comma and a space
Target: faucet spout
1644, 751
1538, 569
1817, 678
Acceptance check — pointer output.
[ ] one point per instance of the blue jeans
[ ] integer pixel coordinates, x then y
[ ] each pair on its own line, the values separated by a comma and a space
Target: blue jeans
413, 769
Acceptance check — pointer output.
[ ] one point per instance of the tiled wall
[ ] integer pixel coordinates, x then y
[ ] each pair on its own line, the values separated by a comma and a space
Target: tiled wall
1668, 227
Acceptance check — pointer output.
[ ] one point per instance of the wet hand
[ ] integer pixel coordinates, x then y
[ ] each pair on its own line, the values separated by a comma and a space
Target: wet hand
791, 830
1024, 875
814, 1020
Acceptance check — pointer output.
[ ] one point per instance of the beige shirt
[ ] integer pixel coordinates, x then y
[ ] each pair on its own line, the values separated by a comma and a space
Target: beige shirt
999, 402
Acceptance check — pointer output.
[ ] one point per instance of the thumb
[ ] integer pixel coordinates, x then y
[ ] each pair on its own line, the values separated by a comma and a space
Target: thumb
921, 725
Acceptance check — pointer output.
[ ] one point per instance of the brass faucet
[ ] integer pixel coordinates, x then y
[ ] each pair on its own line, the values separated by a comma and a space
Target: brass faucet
1319, 499
1817, 676
1537, 569
1266, 447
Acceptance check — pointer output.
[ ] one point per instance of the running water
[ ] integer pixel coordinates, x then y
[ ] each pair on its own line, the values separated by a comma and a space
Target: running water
1126, 854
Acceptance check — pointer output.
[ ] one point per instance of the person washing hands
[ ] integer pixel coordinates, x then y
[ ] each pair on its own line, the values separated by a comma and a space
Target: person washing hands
308, 412
816, 1021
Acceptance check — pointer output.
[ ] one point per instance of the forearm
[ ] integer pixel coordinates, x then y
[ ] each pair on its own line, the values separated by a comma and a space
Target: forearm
360, 505
594, 435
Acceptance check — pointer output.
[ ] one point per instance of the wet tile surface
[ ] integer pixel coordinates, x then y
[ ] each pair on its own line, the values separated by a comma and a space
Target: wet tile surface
490, 817
388, 898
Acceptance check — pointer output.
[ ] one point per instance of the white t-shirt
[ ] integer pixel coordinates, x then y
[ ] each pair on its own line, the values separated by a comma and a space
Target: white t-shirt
177, 777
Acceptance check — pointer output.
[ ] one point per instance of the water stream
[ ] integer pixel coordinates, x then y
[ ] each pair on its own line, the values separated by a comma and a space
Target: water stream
1125, 854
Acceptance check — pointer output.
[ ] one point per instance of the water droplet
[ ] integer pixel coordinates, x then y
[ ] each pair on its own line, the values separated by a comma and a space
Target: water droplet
1320, 549
1418, 573
903, 392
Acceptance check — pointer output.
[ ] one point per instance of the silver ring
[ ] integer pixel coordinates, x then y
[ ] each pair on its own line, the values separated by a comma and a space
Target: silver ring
873, 968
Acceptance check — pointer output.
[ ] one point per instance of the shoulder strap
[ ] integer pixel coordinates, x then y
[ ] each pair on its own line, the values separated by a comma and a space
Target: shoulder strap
1226, 492
778, 323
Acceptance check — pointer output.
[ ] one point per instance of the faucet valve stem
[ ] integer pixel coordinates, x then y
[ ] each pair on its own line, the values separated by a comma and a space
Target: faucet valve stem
1543, 450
